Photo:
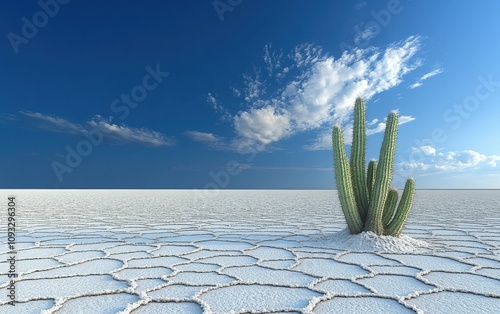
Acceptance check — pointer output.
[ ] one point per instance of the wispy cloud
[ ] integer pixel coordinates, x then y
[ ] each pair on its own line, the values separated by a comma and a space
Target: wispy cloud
54, 123
380, 126
324, 141
368, 33
307, 90
426, 76
213, 102
210, 139
433, 161
202, 137
112, 133
272, 60
218, 107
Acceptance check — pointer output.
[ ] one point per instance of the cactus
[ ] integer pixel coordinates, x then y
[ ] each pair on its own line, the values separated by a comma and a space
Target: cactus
396, 225
383, 176
390, 206
366, 200
357, 161
344, 186
372, 168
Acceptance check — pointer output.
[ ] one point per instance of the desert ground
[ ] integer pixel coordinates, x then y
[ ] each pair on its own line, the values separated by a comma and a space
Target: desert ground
247, 251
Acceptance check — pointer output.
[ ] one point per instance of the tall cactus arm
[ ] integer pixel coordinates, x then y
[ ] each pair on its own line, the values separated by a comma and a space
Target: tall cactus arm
344, 184
372, 167
390, 206
383, 176
357, 161
396, 225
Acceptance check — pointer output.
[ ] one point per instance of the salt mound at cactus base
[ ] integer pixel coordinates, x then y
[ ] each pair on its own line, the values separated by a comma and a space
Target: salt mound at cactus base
369, 241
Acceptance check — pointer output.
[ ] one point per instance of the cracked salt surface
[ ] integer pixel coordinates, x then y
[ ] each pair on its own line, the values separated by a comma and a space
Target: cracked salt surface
35, 306
170, 308
356, 305
106, 304
241, 298
243, 251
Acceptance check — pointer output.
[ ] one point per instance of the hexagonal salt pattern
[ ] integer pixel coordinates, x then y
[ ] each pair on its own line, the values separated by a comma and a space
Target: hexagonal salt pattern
257, 298
355, 305
247, 251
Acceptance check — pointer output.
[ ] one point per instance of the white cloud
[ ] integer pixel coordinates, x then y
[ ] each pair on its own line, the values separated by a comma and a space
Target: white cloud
213, 102
202, 136
111, 132
426, 149
379, 128
372, 122
123, 134
426, 76
431, 161
431, 74
308, 90
492, 160
254, 88
210, 139
369, 33
272, 59
54, 123
322, 92
381, 125
324, 141
405, 119
262, 125
305, 55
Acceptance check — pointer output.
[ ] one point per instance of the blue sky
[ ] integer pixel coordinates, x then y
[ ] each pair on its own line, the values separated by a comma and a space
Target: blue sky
243, 94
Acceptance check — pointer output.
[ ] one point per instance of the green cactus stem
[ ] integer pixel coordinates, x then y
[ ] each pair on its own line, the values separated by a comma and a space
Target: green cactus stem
344, 184
383, 176
366, 200
372, 168
396, 225
390, 206
357, 161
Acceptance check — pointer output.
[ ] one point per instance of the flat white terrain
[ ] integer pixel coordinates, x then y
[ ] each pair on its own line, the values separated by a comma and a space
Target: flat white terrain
179, 251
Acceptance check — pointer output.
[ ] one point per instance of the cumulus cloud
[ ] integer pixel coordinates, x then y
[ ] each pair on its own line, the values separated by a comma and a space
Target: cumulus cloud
426, 76
262, 125
432, 161
112, 132
325, 91
310, 90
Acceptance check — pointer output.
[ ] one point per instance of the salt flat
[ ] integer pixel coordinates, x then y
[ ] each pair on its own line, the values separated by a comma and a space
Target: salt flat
179, 251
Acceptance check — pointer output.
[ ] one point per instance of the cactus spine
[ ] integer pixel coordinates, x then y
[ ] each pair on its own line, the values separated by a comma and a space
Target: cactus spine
366, 200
